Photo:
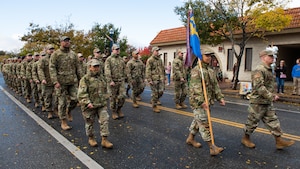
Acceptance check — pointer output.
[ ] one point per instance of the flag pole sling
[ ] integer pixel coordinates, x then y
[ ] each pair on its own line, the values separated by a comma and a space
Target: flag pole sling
206, 102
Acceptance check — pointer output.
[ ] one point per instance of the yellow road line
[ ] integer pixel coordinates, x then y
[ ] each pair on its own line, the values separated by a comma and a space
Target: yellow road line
217, 120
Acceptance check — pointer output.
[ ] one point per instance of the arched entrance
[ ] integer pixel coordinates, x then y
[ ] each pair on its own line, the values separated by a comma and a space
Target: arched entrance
215, 64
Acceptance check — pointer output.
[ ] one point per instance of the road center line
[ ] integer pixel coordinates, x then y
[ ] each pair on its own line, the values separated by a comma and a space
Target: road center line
217, 120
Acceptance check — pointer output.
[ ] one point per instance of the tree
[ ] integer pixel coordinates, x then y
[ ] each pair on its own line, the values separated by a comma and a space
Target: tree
236, 21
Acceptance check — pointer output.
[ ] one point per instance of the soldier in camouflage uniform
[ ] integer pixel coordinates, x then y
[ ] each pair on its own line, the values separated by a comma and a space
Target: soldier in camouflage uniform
261, 103
19, 79
36, 90
82, 64
115, 77
26, 82
180, 82
49, 97
197, 101
155, 75
135, 70
65, 72
92, 96
97, 55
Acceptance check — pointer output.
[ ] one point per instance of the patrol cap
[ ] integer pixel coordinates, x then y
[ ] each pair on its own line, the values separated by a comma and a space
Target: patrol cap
125, 57
96, 50
42, 53
79, 55
90, 57
179, 51
64, 38
36, 54
94, 62
49, 47
207, 52
29, 54
104, 55
155, 48
135, 52
115, 47
266, 52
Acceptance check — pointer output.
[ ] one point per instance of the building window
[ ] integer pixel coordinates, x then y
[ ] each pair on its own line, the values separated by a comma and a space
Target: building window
229, 60
248, 59
165, 59
174, 55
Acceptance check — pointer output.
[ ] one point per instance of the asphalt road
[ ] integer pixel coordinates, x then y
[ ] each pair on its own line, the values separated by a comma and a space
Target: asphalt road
142, 139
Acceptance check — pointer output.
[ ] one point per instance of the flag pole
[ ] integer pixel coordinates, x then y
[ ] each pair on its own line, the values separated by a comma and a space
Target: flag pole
206, 102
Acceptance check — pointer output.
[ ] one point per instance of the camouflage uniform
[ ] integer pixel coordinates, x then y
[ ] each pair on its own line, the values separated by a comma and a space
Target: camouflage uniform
135, 70
26, 83
155, 74
32, 83
92, 89
261, 101
115, 72
200, 122
48, 94
37, 82
19, 79
65, 70
179, 74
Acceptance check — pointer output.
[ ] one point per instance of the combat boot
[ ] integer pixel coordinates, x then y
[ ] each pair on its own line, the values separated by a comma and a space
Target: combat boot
69, 115
213, 149
191, 140
138, 98
280, 143
114, 114
184, 106
155, 109
28, 100
105, 143
177, 106
36, 105
50, 115
93, 142
158, 102
120, 113
247, 142
43, 108
64, 125
135, 105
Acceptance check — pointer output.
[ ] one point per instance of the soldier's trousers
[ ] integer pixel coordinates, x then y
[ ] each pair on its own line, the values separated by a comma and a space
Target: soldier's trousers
63, 93
48, 97
137, 88
157, 89
266, 113
27, 89
200, 124
180, 91
90, 115
35, 93
118, 94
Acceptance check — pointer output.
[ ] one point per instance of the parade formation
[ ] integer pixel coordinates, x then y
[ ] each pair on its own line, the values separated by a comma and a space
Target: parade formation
59, 80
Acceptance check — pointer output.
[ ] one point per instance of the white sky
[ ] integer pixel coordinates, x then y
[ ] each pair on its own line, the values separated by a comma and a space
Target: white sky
139, 20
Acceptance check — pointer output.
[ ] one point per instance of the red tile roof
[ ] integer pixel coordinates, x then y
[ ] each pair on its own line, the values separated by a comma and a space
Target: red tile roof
295, 13
179, 34
170, 35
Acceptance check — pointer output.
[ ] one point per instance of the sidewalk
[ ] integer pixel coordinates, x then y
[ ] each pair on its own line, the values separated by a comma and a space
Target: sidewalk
226, 90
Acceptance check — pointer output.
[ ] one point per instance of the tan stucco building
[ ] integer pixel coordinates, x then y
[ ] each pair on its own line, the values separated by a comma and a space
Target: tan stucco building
287, 41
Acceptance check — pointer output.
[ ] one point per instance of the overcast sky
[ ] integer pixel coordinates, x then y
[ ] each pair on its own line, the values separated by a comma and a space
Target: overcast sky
139, 20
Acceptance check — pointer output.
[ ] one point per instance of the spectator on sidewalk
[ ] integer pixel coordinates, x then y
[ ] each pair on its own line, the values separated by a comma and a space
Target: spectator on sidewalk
280, 72
296, 77
168, 73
